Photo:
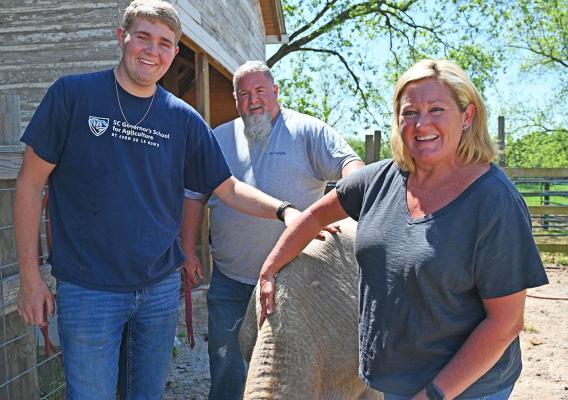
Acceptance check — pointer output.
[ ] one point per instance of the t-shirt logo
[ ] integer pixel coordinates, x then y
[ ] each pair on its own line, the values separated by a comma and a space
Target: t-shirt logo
98, 125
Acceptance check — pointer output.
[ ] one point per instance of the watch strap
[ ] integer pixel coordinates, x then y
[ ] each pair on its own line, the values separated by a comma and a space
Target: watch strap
434, 392
281, 208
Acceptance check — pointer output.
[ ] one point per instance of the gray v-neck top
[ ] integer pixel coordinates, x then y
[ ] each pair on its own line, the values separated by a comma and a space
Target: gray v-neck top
422, 281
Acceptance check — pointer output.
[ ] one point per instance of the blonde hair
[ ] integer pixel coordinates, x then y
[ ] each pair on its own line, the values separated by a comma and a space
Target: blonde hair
153, 10
475, 143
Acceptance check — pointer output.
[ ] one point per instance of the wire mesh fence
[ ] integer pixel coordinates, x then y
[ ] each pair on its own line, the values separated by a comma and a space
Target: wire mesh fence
30, 359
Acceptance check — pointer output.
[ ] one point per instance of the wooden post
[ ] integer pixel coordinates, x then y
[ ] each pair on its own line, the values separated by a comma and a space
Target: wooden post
9, 118
202, 89
9, 137
377, 146
501, 139
204, 108
369, 149
19, 355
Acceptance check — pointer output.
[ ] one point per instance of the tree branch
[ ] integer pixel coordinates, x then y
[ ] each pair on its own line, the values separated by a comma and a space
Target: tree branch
319, 15
350, 13
541, 53
351, 72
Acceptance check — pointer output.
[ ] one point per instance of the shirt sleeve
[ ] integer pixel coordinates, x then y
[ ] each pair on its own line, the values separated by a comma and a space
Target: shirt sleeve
351, 192
205, 166
329, 153
507, 258
48, 129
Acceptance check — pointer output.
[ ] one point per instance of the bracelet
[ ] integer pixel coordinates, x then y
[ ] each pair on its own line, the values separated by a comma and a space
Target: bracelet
281, 208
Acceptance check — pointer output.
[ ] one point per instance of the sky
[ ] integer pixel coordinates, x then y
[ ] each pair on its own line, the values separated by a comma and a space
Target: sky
511, 88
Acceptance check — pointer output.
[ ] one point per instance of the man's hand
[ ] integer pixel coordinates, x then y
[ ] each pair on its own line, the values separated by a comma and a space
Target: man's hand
267, 286
290, 214
35, 302
193, 268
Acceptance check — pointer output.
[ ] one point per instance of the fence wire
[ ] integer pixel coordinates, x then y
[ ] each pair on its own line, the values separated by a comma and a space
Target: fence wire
29, 367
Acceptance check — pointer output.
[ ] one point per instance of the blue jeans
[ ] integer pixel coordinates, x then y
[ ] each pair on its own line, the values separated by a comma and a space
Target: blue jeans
500, 395
125, 338
227, 302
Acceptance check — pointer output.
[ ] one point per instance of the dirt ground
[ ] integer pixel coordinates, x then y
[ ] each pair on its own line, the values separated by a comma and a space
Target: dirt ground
544, 343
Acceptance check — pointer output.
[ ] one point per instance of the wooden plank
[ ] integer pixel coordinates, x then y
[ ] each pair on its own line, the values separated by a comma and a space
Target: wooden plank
10, 161
536, 172
548, 210
9, 118
553, 247
377, 146
501, 139
202, 80
204, 108
369, 147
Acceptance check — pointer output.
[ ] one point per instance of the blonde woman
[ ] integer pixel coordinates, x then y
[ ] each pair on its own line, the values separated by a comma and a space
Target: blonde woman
444, 247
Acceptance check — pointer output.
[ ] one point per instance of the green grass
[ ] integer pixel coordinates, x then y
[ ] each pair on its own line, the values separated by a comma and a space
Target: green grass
539, 200
555, 258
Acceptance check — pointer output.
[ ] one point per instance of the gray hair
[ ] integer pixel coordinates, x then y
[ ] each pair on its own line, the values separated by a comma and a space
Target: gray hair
153, 10
251, 66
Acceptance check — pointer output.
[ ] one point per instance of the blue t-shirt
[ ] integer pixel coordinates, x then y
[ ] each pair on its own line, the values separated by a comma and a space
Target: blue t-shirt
116, 193
422, 281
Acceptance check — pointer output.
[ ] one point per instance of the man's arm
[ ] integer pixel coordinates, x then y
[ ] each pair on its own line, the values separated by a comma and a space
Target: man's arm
249, 200
351, 167
192, 215
34, 297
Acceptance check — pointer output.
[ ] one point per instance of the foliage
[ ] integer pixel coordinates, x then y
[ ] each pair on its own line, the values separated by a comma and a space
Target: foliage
345, 55
357, 49
359, 146
538, 150
533, 36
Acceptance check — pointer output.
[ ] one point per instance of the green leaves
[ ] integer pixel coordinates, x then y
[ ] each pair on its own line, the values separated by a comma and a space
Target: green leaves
538, 150
344, 56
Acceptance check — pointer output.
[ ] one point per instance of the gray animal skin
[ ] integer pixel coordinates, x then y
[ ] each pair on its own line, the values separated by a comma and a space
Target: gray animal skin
308, 349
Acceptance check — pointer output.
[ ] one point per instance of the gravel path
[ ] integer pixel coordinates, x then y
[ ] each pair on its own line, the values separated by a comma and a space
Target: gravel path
189, 375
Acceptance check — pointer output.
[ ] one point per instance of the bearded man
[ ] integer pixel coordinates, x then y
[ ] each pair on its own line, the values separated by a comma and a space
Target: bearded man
283, 153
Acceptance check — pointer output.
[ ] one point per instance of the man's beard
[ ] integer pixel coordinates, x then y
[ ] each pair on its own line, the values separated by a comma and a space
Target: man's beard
257, 128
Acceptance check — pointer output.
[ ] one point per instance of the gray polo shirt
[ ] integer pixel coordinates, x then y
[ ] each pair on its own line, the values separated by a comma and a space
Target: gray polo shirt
301, 155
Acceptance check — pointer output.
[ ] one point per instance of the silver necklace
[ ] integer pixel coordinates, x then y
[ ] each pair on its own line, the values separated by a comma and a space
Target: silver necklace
120, 105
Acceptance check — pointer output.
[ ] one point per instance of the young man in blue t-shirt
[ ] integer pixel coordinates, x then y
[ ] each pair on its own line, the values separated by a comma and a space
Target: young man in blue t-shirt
118, 151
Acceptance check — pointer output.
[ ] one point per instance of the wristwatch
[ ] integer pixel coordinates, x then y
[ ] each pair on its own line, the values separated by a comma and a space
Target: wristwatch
434, 392
281, 208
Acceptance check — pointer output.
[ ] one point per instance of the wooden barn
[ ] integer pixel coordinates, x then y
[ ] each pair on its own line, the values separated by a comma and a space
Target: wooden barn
42, 40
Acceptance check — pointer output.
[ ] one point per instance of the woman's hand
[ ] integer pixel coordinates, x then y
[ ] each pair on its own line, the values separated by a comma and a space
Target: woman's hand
267, 285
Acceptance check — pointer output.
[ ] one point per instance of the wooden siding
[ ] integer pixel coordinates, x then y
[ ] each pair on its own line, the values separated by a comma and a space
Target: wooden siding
231, 32
41, 40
